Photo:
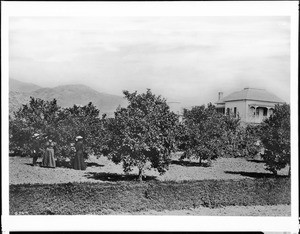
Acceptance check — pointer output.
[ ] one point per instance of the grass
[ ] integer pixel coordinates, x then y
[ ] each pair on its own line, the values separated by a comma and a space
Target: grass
131, 196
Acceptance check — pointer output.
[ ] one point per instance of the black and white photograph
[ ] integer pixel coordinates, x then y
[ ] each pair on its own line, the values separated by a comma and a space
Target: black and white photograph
130, 111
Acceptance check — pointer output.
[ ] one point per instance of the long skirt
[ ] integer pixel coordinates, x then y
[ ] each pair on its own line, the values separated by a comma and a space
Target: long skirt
48, 159
78, 163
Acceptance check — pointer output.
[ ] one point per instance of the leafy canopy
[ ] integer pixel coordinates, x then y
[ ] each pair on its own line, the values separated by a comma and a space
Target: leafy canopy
143, 132
37, 116
60, 124
275, 136
207, 134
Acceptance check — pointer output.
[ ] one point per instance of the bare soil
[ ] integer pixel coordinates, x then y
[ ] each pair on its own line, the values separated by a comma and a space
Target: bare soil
278, 210
101, 170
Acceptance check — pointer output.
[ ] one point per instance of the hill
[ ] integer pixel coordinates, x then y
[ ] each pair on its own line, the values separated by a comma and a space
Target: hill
67, 96
16, 99
19, 86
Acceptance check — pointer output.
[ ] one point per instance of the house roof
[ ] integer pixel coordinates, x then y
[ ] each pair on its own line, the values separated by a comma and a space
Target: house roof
251, 94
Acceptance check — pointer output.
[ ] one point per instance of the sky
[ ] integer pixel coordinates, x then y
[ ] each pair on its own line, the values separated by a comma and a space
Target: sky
184, 59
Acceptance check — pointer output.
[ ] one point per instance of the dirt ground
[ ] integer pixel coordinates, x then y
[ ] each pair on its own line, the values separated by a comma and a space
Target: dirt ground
21, 171
279, 210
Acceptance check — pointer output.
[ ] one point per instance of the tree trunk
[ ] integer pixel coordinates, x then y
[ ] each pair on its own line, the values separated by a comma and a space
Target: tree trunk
209, 162
274, 172
289, 174
200, 161
140, 178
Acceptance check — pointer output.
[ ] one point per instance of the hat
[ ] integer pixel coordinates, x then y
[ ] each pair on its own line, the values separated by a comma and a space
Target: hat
79, 137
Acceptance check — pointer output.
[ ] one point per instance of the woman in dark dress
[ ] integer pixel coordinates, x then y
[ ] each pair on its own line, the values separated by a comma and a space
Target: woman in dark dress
49, 159
36, 148
78, 163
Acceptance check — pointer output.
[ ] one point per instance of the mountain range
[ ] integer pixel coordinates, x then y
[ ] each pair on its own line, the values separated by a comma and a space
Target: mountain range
66, 96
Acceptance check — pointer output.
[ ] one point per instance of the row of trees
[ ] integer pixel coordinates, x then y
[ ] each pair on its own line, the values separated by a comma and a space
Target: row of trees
147, 132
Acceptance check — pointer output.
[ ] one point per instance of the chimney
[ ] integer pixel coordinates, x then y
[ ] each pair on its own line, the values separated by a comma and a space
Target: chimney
220, 95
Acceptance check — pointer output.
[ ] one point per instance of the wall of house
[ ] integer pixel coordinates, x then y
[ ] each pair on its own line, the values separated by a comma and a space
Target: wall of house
241, 108
249, 113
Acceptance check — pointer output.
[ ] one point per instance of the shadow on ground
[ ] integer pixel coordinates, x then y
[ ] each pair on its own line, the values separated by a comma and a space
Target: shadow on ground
93, 164
256, 161
115, 177
37, 164
68, 164
256, 175
189, 164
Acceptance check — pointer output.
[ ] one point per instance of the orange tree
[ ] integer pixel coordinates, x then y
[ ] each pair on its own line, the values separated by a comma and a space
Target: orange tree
143, 132
275, 136
60, 124
79, 120
203, 132
37, 116
207, 134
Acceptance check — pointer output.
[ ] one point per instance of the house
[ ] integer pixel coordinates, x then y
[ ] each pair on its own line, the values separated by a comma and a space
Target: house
251, 105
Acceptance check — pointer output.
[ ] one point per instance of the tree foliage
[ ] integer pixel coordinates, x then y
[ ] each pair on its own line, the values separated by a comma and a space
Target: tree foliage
208, 134
275, 137
37, 116
19, 133
144, 132
59, 124
79, 120
248, 141
202, 135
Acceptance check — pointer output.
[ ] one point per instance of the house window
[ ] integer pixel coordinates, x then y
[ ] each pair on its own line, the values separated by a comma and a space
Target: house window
227, 111
265, 111
234, 111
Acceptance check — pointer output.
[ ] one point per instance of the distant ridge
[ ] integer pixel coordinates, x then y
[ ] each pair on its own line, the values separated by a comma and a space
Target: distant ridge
67, 96
19, 86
